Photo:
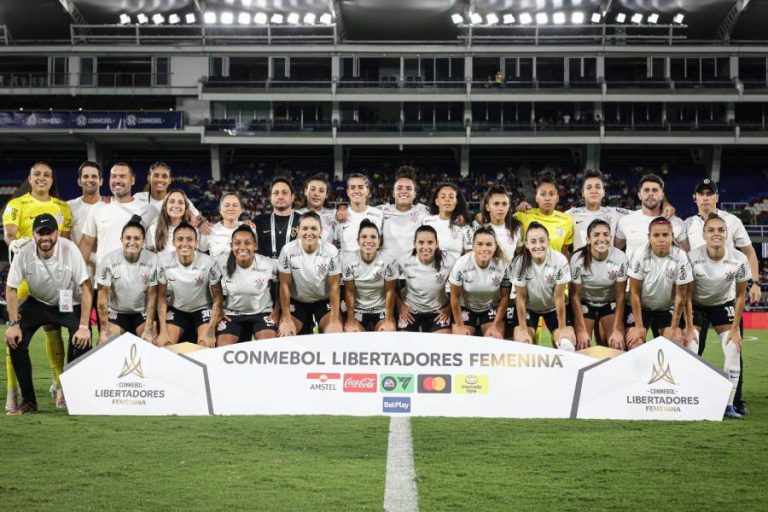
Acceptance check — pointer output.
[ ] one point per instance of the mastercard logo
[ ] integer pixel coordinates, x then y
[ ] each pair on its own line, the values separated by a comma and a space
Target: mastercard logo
434, 384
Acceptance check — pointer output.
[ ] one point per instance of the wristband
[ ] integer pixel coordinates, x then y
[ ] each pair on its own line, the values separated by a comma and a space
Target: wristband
85, 326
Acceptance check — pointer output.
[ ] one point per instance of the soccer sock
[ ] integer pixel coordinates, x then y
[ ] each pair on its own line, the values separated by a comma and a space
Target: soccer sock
694, 346
54, 347
566, 345
731, 365
13, 383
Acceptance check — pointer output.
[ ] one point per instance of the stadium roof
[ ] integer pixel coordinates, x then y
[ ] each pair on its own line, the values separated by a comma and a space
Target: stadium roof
367, 20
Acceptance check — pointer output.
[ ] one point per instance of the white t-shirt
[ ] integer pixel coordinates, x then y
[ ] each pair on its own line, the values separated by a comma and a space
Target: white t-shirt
424, 288
220, 239
540, 280
189, 287
370, 279
309, 272
400, 227
80, 211
105, 222
65, 271
659, 276
714, 282
158, 203
694, 228
202, 242
481, 287
127, 282
582, 217
633, 228
327, 221
508, 242
598, 282
247, 292
346, 232
452, 239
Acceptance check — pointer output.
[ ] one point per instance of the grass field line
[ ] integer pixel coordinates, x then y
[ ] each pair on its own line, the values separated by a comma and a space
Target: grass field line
400, 493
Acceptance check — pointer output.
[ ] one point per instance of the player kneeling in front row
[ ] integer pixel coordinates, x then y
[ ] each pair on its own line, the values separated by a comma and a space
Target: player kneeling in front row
540, 276
246, 283
719, 291
480, 288
189, 296
127, 281
60, 293
659, 275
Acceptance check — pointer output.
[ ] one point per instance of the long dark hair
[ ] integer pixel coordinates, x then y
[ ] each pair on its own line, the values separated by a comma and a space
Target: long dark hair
316, 177
586, 251
487, 230
512, 224
231, 262
25, 187
526, 257
460, 213
438, 253
368, 224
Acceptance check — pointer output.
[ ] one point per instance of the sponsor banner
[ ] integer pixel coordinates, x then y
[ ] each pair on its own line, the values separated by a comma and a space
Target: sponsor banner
128, 376
657, 381
91, 120
367, 374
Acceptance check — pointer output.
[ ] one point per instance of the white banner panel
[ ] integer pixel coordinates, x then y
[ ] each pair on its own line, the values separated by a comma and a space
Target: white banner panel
128, 376
392, 373
657, 381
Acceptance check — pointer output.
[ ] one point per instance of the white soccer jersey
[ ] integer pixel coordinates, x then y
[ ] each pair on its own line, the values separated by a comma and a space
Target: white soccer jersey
659, 276
400, 227
202, 242
694, 228
346, 232
309, 272
582, 217
598, 282
144, 197
424, 289
65, 271
370, 279
105, 222
540, 280
634, 229
327, 221
481, 286
189, 287
452, 239
509, 242
219, 240
246, 291
714, 282
127, 282
80, 211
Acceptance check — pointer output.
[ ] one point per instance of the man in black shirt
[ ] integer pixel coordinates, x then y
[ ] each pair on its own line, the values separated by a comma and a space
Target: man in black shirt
276, 229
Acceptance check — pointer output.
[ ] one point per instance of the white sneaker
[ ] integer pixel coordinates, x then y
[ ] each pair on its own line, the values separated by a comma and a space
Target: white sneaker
52, 390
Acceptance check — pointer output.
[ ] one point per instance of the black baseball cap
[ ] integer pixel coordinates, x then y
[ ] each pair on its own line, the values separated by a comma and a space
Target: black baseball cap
45, 222
706, 183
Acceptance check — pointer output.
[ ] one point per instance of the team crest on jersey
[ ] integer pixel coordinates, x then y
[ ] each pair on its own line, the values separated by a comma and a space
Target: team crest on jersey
322, 268
260, 283
670, 272
294, 232
59, 218
199, 280
414, 217
730, 275
348, 272
440, 278
613, 274
145, 278
378, 275
550, 278
13, 213
560, 232
495, 281
455, 233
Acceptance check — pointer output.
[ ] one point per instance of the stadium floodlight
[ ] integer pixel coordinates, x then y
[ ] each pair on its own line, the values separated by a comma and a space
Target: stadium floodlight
491, 19
309, 18
508, 19
125, 19
158, 19
209, 17
174, 19
244, 18
142, 18
227, 18
475, 18
653, 18
457, 18
246, 3
542, 18
276, 19
637, 18
293, 18
558, 18
260, 18
326, 18
190, 18
577, 18
621, 17
526, 19
596, 17
679, 18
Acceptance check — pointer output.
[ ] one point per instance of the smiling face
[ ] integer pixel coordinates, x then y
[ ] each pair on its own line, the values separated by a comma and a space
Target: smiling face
715, 233
369, 241
660, 238
185, 241
243, 246
175, 206
159, 179
446, 200
45, 240
404, 192
599, 240
121, 180
547, 197
497, 208
133, 241
537, 242
41, 179
310, 231
483, 248
89, 180
230, 208
357, 191
316, 193
426, 246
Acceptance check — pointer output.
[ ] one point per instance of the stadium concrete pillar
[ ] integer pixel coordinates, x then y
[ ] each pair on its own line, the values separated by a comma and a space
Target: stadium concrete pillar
593, 157
730, 113
338, 162
714, 163
464, 161
600, 69
733, 66
215, 162
93, 152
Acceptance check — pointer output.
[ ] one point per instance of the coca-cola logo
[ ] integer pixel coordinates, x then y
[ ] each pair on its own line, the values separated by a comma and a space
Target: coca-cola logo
360, 382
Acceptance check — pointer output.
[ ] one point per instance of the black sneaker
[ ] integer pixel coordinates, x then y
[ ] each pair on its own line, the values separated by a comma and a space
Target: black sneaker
741, 408
24, 408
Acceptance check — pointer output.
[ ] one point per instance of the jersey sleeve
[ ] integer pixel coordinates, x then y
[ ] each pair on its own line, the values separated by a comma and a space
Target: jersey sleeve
15, 273
468, 232
284, 261
568, 238
347, 266
334, 265
744, 273
517, 278
623, 276
80, 271
89, 227
506, 278
391, 272
636, 267
214, 273
620, 229
273, 269
66, 213
684, 272
576, 269
12, 213
682, 234
456, 276
162, 277
103, 273
740, 236
152, 277
563, 274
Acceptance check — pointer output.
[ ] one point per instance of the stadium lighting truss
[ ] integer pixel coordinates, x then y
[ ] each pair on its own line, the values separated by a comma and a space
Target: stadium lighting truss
142, 18
174, 19
125, 19
457, 19
526, 19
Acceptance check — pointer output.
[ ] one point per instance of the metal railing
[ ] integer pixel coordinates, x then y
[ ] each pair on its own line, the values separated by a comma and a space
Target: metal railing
46, 80
5, 36
733, 206
269, 83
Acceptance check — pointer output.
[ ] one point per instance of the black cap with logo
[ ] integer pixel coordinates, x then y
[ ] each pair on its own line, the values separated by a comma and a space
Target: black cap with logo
45, 222
706, 183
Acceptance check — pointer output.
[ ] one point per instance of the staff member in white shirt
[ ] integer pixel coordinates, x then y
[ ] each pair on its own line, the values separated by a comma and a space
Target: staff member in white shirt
59, 294
89, 179
219, 241
127, 281
720, 281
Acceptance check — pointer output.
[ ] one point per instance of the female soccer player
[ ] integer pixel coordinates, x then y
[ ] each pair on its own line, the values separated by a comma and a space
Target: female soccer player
480, 288
540, 275
370, 284
175, 210
316, 191
189, 296
599, 278
127, 280
658, 275
310, 272
248, 304
719, 292
220, 239
451, 220
497, 213
358, 191
423, 304
558, 224
402, 217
